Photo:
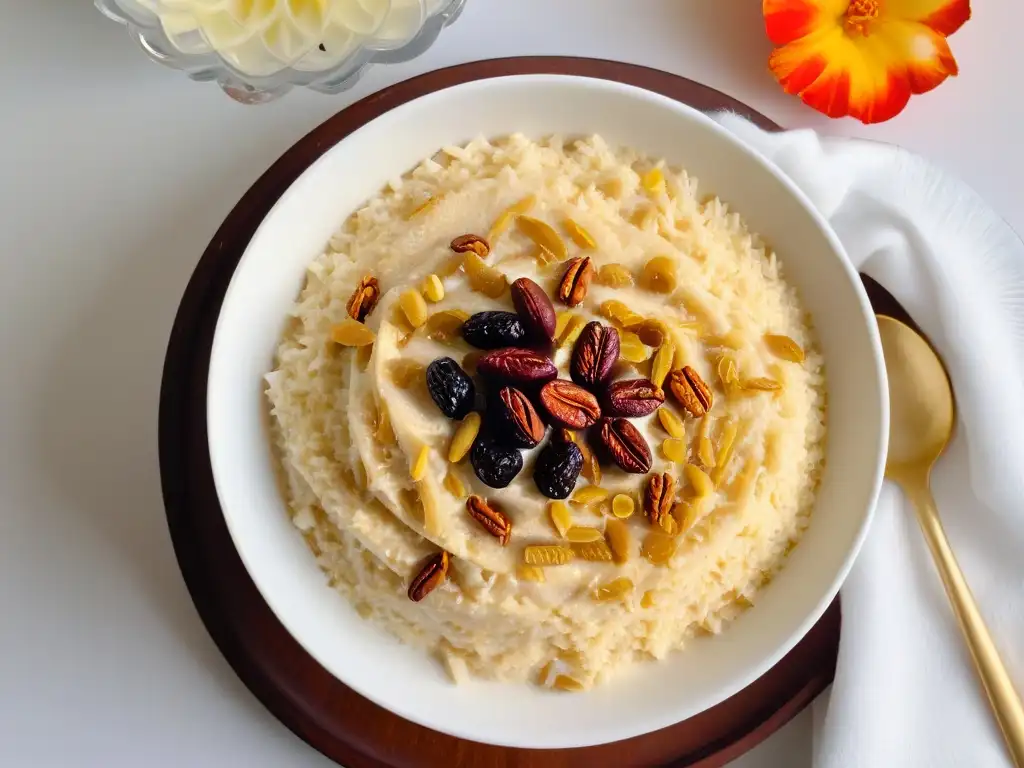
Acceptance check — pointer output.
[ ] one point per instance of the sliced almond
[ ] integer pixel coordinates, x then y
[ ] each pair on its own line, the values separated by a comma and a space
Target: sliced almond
419, 465
620, 542
589, 495
561, 517
505, 217
544, 235
784, 347
579, 235
463, 438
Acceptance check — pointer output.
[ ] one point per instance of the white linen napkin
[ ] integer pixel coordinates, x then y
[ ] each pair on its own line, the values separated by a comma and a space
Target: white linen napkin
905, 693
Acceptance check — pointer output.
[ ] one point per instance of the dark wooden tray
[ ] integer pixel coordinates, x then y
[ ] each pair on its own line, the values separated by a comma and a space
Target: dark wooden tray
305, 697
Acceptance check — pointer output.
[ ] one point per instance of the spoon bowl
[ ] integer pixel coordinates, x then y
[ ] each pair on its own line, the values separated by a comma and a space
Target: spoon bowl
920, 398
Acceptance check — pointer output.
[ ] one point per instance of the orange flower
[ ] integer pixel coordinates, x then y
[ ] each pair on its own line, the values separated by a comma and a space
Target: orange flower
862, 58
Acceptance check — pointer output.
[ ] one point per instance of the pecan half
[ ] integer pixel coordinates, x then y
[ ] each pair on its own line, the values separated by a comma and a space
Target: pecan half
474, 243
363, 298
517, 364
569, 404
517, 418
659, 497
690, 390
632, 398
573, 288
431, 576
625, 445
492, 519
594, 356
534, 307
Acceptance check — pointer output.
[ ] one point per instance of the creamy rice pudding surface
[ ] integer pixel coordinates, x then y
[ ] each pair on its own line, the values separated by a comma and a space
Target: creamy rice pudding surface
648, 550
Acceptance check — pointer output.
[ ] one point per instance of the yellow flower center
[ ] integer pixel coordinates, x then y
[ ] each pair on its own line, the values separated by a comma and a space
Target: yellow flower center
860, 14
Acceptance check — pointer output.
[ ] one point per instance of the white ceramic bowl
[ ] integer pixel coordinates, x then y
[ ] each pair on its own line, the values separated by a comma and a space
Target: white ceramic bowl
403, 679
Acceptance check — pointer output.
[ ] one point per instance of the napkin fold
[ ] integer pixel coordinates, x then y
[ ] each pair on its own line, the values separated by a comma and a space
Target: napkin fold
905, 693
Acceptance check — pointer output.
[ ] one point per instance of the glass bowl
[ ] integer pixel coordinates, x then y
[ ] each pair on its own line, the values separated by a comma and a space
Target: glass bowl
261, 64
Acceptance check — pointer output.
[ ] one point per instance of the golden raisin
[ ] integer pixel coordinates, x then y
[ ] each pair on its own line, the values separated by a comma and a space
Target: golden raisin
414, 307
651, 332
483, 278
674, 449
614, 276
631, 348
351, 333
566, 683
404, 373
445, 325
616, 589
659, 275
687, 513
623, 506
433, 288
614, 310
658, 547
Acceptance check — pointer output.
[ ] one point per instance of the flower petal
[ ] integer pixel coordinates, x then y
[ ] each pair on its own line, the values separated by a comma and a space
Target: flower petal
869, 77
923, 52
944, 16
789, 20
841, 75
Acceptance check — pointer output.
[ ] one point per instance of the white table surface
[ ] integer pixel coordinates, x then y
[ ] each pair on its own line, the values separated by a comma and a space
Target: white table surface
114, 175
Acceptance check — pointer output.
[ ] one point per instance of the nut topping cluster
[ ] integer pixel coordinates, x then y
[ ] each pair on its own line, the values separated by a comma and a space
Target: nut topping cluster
525, 395
522, 395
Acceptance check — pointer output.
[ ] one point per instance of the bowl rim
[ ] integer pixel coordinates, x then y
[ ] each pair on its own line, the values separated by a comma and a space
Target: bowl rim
737, 681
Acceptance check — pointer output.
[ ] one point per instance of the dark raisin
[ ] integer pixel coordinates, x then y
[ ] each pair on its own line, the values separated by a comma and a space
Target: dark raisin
451, 388
493, 330
496, 465
558, 466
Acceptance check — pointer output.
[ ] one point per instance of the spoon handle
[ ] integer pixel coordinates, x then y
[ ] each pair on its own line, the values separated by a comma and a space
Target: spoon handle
1006, 704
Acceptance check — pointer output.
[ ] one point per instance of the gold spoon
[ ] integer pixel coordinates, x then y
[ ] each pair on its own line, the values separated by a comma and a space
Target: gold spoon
921, 422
